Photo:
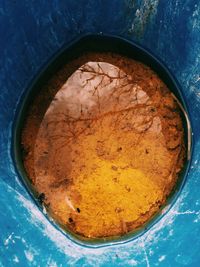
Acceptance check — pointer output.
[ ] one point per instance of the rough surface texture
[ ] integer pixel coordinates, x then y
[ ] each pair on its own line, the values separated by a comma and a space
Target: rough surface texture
31, 32
108, 150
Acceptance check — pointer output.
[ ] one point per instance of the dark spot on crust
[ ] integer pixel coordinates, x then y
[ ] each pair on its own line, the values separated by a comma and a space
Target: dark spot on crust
78, 210
70, 220
41, 198
114, 168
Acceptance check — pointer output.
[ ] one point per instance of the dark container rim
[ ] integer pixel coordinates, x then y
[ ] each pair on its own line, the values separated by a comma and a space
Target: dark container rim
125, 47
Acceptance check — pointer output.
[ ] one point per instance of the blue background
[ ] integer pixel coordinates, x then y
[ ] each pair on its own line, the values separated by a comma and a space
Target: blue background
30, 33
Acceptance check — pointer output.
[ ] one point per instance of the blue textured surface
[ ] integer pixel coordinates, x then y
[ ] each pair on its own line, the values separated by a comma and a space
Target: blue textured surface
30, 33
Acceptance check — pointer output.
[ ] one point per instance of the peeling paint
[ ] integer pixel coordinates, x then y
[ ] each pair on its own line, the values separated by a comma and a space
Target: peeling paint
143, 15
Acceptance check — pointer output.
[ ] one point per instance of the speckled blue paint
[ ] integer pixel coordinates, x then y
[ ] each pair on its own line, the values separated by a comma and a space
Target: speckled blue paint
30, 33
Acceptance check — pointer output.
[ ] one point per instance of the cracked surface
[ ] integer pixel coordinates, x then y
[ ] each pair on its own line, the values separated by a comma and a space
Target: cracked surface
103, 145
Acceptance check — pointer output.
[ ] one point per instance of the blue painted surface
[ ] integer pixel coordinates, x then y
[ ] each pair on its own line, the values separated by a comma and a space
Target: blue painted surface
30, 33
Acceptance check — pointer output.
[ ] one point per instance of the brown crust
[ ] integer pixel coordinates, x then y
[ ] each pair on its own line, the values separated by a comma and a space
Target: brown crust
126, 137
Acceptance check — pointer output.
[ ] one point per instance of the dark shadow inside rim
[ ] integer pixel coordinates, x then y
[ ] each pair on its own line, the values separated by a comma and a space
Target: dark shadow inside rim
98, 43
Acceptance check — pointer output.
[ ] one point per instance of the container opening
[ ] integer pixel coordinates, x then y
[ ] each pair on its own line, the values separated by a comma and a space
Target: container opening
102, 140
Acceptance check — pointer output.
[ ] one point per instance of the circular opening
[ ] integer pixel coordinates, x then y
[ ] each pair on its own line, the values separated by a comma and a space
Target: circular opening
102, 140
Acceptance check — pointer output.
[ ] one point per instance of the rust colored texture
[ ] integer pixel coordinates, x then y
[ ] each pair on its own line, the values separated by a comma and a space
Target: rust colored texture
103, 145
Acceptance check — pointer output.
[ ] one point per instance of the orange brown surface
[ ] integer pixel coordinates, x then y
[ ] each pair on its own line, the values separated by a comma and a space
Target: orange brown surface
103, 145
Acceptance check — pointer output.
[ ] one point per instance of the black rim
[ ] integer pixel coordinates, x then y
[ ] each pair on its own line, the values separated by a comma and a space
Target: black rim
99, 43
